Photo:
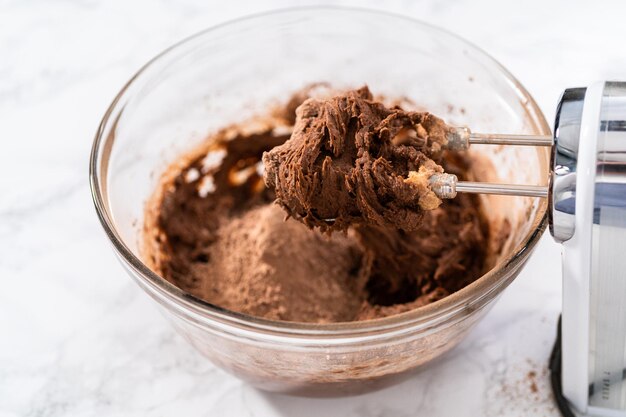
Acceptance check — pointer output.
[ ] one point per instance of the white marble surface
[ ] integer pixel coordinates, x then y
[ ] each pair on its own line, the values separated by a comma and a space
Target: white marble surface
78, 338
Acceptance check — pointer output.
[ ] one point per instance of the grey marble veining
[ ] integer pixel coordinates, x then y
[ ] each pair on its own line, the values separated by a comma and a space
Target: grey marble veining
78, 338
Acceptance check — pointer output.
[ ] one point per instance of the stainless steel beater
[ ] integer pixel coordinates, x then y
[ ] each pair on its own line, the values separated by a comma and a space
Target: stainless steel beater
447, 185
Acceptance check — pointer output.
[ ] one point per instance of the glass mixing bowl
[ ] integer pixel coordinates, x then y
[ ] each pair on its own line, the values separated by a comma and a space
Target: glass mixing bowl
234, 71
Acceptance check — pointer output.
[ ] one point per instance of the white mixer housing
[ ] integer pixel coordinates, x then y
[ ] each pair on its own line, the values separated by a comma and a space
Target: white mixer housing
588, 216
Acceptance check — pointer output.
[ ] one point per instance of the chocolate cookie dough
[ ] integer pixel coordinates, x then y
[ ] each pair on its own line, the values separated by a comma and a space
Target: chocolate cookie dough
213, 230
351, 160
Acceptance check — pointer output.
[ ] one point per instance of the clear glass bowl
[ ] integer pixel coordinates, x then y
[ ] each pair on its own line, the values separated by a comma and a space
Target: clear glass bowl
234, 71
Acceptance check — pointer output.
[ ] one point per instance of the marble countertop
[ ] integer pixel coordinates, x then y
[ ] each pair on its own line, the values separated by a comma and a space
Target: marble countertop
78, 338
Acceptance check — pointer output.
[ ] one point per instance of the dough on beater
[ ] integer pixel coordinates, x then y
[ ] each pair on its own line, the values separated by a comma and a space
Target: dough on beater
351, 160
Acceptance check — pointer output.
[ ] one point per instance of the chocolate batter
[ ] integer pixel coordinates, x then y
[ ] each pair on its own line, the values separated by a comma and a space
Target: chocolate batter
213, 229
351, 160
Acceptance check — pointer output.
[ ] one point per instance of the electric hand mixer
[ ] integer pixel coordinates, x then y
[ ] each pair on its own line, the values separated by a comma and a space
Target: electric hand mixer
587, 215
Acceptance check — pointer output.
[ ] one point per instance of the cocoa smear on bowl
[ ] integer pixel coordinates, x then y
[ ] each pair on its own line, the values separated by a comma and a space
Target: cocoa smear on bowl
213, 230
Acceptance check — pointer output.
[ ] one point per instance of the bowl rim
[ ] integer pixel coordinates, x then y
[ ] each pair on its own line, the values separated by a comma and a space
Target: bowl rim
465, 299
